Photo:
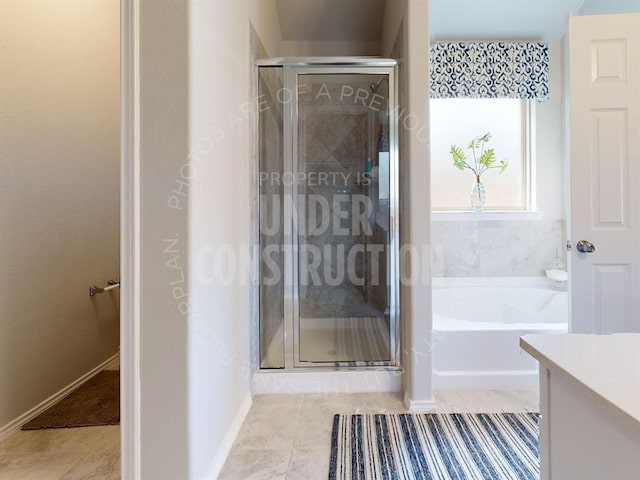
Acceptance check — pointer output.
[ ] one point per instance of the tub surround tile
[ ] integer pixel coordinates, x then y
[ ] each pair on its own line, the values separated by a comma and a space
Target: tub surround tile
544, 240
504, 251
495, 248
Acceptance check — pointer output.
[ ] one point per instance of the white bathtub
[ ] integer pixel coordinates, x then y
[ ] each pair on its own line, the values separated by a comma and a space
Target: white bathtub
477, 324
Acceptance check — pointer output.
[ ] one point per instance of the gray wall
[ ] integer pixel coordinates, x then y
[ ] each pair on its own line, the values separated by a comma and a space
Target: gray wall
406, 25
59, 195
164, 256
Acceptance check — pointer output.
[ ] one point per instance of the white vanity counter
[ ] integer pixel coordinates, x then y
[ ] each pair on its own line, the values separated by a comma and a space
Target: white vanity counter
590, 405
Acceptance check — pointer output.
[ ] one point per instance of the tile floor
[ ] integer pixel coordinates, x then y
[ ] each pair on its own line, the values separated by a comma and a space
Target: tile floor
288, 436
63, 453
283, 437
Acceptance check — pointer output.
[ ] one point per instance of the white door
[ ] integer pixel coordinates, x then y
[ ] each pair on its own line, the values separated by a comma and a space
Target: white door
604, 90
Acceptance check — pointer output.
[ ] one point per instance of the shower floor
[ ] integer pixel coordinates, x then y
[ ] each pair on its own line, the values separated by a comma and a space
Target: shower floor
348, 339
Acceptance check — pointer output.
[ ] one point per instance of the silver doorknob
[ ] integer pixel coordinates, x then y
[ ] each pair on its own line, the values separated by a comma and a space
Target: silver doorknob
585, 247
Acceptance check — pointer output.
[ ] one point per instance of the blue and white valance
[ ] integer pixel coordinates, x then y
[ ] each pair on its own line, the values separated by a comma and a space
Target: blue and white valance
489, 70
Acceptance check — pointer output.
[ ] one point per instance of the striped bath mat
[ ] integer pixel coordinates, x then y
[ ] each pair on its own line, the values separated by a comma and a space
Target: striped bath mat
500, 446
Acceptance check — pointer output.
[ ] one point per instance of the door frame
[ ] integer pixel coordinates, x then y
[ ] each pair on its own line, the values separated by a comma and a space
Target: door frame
130, 405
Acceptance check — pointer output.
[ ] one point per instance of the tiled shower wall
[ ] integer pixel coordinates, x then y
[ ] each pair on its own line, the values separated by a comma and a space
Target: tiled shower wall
501, 248
337, 136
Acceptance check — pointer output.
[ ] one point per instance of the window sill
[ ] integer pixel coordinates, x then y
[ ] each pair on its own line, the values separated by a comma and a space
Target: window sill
485, 216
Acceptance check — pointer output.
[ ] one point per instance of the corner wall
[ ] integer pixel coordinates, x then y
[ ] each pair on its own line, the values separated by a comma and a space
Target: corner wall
406, 30
59, 195
164, 237
220, 227
195, 124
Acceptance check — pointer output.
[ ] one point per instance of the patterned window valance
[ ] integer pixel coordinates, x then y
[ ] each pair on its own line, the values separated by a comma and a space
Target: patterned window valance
489, 70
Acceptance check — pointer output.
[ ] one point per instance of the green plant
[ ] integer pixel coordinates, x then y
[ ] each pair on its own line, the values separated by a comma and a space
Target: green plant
483, 160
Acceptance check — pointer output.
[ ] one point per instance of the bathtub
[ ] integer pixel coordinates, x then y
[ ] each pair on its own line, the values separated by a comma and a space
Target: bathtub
477, 324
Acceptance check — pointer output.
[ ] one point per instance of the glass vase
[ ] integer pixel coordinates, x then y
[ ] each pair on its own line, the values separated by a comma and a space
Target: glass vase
477, 196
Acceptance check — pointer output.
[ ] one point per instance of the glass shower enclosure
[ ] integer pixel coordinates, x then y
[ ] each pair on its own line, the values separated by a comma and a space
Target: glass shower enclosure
328, 221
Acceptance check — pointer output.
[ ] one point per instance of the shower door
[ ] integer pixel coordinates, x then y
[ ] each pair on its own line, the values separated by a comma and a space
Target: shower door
339, 184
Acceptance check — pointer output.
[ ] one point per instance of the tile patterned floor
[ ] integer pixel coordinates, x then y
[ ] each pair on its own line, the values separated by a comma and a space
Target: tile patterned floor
283, 437
288, 436
63, 453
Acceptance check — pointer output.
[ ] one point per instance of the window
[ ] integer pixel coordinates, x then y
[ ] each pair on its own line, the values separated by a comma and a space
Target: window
455, 121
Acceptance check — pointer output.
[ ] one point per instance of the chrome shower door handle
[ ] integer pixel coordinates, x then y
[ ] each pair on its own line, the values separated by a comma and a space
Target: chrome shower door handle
585, 247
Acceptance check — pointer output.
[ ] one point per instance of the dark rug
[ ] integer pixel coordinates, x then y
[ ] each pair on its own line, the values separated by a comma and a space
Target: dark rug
95, 402
435, 446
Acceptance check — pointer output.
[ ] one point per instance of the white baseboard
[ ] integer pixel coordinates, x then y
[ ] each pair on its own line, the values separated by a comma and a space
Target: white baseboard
489, 380
419, 405
326, 382
229, 438
17, 424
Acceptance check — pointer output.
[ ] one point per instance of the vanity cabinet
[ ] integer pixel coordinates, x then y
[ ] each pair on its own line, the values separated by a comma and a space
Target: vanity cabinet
589, 405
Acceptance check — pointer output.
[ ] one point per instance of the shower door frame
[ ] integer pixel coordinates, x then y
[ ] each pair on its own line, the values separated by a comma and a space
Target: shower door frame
291, 73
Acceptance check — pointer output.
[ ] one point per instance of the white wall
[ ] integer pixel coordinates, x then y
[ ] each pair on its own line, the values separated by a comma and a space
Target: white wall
195, 180
59, 195
550, 139
220, 219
